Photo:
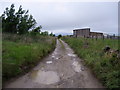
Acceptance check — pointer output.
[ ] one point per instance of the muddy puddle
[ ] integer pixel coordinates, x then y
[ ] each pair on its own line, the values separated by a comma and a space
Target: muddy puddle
44, 77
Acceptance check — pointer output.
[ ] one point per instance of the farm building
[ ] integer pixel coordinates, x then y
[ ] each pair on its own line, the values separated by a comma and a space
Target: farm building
96, 35
86, 33
81, 32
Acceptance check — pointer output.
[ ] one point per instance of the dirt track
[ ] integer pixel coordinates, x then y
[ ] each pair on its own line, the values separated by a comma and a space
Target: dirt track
61, 69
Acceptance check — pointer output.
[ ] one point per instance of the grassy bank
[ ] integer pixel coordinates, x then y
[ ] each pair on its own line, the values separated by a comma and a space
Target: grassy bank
22, 52
105, 65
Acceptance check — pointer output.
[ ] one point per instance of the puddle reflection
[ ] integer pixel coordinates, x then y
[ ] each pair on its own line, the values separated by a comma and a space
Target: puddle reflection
44, 77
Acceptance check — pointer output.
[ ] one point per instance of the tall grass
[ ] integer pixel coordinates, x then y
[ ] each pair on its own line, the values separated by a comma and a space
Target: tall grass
104, 65
22, 52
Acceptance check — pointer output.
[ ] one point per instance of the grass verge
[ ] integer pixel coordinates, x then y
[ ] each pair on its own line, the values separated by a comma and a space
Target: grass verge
104, 65
20, 53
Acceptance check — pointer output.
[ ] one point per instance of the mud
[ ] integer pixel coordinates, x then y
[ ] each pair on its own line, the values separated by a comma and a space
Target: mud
44, 77
61, 69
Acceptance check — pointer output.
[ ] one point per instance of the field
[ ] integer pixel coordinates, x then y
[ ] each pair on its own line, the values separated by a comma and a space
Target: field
22, 52
105, 65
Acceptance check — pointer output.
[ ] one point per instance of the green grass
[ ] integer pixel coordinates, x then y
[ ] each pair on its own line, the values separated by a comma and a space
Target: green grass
20, 53
104, 65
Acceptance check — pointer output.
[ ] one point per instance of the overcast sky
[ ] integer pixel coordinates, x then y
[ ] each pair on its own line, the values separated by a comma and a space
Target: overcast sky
62, 17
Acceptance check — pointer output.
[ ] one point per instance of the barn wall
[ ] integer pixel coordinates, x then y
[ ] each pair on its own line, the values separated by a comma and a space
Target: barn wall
86, 33
81, 32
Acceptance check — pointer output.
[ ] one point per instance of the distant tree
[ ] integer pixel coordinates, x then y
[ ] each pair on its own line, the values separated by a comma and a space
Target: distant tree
59, 36
17, 22
37, 29
44, 33
51, 34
